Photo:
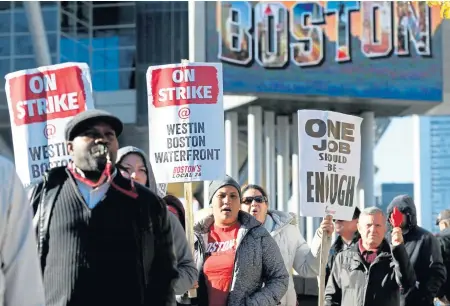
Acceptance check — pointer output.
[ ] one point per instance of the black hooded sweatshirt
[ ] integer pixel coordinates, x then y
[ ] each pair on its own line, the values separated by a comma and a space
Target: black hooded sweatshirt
424, 253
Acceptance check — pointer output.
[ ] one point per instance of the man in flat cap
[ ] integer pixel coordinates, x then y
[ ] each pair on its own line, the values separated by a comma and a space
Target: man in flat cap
102, 240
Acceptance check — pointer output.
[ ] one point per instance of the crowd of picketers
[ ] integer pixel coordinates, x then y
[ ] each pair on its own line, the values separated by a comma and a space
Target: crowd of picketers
98, 232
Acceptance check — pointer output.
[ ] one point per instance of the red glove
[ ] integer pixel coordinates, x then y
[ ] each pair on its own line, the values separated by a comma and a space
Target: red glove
396, 218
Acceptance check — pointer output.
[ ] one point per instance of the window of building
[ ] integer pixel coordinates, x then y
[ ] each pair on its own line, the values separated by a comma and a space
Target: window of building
107, 42
44, 4
21, 63
112, 15
5, 21
162, 28
5, 68
50, 17
20, 21
5, 45
23, 43
5, 5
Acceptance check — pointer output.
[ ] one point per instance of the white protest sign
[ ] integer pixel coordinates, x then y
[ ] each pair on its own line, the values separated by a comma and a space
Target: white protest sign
41, 101
186, 122
329, 163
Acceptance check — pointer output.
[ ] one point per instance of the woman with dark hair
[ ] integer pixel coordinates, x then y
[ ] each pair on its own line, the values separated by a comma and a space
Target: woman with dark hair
284, 229
133, 163
239, 263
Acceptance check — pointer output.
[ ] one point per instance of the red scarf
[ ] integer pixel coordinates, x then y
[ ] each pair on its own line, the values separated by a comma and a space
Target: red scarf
104, 178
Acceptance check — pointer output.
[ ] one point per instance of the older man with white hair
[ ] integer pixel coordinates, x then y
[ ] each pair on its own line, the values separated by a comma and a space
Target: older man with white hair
372, 272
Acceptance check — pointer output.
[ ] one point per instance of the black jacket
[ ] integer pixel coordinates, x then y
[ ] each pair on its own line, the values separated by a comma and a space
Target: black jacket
154, 237
424, 253
444, 240
336, 248
352, 283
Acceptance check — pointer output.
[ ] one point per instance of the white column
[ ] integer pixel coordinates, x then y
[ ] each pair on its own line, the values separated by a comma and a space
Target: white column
197, 33
255, 148
367, 163
197, 49
295, 198
37, 31
283, 175
231, 145
269, 157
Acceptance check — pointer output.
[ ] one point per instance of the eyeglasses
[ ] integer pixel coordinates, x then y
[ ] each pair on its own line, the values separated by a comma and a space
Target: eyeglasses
257, 199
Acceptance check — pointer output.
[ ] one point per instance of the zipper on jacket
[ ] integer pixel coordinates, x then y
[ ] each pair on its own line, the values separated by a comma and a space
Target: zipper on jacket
367, 273
234, 263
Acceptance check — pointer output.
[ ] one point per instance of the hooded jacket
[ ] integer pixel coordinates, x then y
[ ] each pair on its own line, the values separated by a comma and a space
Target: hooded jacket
295, 251
424, 253
159, 189
20, 273
187, 272
258, 260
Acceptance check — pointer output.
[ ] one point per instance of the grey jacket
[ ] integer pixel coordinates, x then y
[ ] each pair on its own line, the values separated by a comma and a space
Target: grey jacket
353, 283
187, 271
258, 260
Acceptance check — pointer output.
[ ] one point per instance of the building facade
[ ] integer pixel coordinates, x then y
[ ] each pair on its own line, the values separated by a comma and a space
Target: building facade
274, 63
431, 168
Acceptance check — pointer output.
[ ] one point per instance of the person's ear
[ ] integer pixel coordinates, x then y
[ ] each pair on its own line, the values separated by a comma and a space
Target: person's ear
70, 148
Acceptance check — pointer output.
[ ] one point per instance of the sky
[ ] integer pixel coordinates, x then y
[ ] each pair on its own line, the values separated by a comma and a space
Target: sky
393, 154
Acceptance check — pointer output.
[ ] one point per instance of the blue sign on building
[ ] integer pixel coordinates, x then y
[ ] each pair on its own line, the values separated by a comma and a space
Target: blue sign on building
367, 49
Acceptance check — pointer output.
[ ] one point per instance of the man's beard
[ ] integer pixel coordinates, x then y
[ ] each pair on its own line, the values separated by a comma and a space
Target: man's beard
93, 161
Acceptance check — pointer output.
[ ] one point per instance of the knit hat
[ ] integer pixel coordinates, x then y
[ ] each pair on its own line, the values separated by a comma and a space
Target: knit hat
84, 120
217, 184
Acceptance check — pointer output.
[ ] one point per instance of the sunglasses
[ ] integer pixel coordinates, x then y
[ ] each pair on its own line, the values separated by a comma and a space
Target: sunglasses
257, 199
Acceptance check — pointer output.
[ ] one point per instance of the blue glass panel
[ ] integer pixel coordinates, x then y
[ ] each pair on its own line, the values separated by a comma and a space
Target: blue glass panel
5, 22
5, 45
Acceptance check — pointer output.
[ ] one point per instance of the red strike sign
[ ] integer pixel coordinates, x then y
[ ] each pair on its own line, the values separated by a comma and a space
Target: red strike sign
48, 95
184, 85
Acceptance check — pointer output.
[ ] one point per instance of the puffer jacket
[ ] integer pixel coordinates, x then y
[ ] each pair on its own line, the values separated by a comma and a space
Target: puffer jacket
424, 252
295, 251
258, 260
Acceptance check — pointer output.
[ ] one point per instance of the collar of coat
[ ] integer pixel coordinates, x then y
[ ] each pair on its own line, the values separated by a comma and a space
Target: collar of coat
338, 243
384, 249
246, 220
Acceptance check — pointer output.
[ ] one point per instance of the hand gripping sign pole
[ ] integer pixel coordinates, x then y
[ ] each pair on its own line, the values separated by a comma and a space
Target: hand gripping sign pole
329, 167
188, 197
186, 146
324, 249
